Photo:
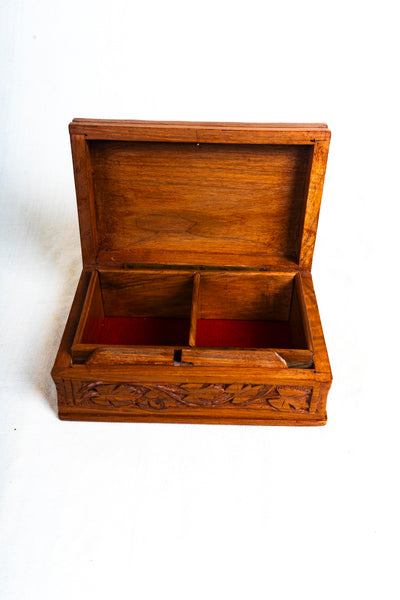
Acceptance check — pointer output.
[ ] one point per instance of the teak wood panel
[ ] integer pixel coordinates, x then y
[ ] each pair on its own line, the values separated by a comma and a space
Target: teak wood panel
85, 198
146, 293
313, 203
156, 200
92, 311
181, 131
195, 309
299, 319
250, 296
321, 358
280, 358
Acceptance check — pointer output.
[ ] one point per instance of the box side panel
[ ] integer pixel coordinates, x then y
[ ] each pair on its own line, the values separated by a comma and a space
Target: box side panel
64, 357
321, 358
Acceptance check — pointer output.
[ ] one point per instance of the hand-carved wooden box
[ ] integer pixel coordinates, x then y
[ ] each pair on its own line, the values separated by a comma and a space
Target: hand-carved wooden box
196, 302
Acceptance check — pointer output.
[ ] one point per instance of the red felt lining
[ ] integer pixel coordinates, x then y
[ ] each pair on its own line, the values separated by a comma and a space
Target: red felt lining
224, 333
137, 331
211, 333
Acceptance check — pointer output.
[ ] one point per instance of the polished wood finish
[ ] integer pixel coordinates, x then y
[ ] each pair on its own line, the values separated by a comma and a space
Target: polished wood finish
299, 321
143, 293
196, 226
232, 358
313, 202
85, 197
195, 309
200, 132
128, 355
187, 203
230, 295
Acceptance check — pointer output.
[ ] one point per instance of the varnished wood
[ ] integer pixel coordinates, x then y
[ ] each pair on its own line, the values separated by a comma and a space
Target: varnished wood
179, 131
313, 203
321, 358
85, 197
195, 309
92, 309
232, 358
147, 293
78, 124
202, 419
142, 373
179, 203
300, 327
126, 355
240, 358
233, 199
64, 355
230, 295
296, 358
177, 260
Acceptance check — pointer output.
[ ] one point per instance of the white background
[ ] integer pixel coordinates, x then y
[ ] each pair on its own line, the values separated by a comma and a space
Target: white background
92, 510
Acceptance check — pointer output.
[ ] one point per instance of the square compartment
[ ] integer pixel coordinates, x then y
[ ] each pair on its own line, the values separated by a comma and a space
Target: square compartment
239, 310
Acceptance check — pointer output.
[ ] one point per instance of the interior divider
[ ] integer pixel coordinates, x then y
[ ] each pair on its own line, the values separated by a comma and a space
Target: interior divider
195, 309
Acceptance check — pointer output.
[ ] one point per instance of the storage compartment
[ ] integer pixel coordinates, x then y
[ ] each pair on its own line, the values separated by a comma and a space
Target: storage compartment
195, 311
142, 308
254, 310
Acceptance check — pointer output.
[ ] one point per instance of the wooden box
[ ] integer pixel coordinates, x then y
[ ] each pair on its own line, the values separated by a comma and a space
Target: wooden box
196, 302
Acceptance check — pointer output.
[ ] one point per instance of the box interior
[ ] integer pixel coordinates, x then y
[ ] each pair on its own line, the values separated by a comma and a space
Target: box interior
219, 310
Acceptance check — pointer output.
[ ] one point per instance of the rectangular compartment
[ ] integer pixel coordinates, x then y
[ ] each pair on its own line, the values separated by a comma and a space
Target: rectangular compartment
154, 316
141, 308
241, 310
251, 318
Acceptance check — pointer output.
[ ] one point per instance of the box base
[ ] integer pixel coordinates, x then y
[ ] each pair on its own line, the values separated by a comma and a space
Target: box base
125, 418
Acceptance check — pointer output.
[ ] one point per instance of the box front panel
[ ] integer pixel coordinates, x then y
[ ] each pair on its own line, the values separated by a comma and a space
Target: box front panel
235, 402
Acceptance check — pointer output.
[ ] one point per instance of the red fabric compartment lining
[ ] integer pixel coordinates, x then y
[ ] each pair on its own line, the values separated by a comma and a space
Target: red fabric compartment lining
137, 331
224, 333
211, 333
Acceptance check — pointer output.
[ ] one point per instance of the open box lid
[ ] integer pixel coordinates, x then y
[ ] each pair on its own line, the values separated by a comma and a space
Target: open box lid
198, 194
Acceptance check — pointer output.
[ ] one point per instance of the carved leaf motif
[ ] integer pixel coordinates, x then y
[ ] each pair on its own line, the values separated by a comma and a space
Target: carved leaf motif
288, 399
247, 394
158, 396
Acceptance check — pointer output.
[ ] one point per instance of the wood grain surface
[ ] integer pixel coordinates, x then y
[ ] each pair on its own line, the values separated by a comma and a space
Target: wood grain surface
147, 293
180, 131
158, 202
252, 296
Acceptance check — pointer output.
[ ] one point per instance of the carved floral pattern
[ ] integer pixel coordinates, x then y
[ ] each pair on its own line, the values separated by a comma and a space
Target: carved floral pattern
159, 397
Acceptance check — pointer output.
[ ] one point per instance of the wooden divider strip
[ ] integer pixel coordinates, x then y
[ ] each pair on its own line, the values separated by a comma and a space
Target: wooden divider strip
195, 309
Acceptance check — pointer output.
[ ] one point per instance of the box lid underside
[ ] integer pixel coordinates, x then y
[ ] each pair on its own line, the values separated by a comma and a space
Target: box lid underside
192, 203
